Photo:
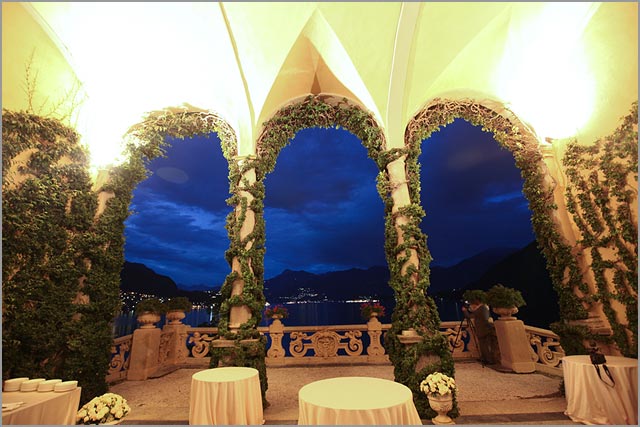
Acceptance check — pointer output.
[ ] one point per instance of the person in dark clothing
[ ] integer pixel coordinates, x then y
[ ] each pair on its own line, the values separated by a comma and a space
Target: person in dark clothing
478, 311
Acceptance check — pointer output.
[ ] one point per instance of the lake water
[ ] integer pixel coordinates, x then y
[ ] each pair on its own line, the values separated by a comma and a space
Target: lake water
303, 314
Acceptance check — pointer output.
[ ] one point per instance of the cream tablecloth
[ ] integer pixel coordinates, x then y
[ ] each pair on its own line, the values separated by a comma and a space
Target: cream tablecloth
229, 395
356, 400
48, 407
590, 401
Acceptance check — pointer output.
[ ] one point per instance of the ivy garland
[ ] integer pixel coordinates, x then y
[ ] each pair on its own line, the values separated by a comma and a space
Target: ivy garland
600, 199
61, 263
514, 136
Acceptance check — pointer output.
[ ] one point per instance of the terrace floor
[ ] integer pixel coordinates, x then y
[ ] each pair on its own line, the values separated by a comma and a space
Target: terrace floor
485, 395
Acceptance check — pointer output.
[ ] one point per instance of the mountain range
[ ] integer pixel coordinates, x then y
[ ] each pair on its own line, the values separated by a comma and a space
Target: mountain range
523, 269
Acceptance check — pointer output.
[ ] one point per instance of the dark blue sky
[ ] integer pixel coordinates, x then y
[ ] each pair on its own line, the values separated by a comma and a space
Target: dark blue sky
322, 210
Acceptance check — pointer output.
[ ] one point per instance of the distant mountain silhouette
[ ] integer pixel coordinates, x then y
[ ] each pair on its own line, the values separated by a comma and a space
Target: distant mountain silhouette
526, 270
458, 276
523, 269
136, 277
333, 286
140, 278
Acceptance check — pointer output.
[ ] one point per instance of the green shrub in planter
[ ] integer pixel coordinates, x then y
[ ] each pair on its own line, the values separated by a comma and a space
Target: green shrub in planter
472, 295
179, 303
152, 305
501, 296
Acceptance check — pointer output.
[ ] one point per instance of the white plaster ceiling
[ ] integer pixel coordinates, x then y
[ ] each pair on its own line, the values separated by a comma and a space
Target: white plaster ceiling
567, 69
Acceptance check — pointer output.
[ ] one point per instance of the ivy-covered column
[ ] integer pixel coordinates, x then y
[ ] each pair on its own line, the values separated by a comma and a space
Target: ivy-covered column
245, 216
239, 342
602, 198
555, 179
400, 197
415, 346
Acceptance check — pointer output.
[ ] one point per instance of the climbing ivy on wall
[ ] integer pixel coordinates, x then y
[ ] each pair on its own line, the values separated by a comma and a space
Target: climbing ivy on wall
600, 197
60, 269
61, 259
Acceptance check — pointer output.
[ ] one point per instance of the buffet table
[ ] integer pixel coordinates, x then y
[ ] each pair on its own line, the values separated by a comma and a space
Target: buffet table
356, 400
229, 395
39, 407
591, 401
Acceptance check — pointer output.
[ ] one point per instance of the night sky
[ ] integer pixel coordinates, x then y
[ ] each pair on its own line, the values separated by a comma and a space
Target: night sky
322, 210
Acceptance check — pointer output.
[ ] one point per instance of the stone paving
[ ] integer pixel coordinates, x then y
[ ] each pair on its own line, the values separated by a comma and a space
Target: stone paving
485, 395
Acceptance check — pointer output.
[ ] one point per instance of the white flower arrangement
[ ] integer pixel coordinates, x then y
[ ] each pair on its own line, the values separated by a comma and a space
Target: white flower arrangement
103, 409
437, 383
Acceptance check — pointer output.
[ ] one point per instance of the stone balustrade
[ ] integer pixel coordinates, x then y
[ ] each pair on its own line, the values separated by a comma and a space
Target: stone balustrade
546, 351
183, 346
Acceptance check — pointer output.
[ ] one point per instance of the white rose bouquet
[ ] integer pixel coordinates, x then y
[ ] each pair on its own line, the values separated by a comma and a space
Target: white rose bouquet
437, 383
103, 409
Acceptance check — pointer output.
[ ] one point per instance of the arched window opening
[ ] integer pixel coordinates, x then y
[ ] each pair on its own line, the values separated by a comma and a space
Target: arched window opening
478, 223
324, 229
175, 239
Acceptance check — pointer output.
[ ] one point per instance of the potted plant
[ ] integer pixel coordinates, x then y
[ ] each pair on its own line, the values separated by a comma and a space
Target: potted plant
149, 311
504, 301
110, 408
369, 310
474, 295
276, 312
439, 389
176, 309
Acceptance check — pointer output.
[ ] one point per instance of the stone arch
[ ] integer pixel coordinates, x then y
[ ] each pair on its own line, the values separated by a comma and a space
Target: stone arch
240, 343
147, 136
539, 185
243, 289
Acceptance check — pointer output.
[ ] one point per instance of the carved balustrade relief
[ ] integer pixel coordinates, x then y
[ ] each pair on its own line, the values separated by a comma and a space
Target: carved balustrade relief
188, 347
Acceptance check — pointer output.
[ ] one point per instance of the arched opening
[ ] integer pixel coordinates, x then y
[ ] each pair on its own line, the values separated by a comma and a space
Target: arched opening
478, 223
175, 238
324, 229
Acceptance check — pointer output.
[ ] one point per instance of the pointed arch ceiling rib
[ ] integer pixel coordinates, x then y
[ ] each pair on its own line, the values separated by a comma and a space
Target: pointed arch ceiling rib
245, 60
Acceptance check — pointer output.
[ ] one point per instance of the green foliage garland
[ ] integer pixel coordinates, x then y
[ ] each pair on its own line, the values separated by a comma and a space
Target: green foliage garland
600, 199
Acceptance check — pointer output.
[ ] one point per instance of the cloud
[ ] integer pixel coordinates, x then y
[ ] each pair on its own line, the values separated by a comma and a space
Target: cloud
319, 167
177, 228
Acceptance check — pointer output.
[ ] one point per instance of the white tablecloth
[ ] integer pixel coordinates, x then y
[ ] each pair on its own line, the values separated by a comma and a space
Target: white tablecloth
356, 400
228, 395
48, 407
590, 401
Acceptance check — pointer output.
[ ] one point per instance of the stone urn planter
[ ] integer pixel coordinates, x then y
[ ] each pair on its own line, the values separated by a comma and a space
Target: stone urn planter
504, 301
174, 317
505, 313
442, 404
149, 311
148, 319
177, 307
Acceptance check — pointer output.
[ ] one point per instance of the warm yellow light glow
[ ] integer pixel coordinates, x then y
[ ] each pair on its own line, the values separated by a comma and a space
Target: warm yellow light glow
134, 58
544, 75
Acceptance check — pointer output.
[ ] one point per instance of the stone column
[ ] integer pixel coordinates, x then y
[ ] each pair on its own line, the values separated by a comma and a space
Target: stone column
515, 350
276, 352
401, 198
552, 153
178, 347
375, 351
145, 349
241, 314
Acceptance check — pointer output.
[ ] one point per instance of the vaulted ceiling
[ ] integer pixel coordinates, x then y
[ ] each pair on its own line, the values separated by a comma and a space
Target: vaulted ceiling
566, 69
